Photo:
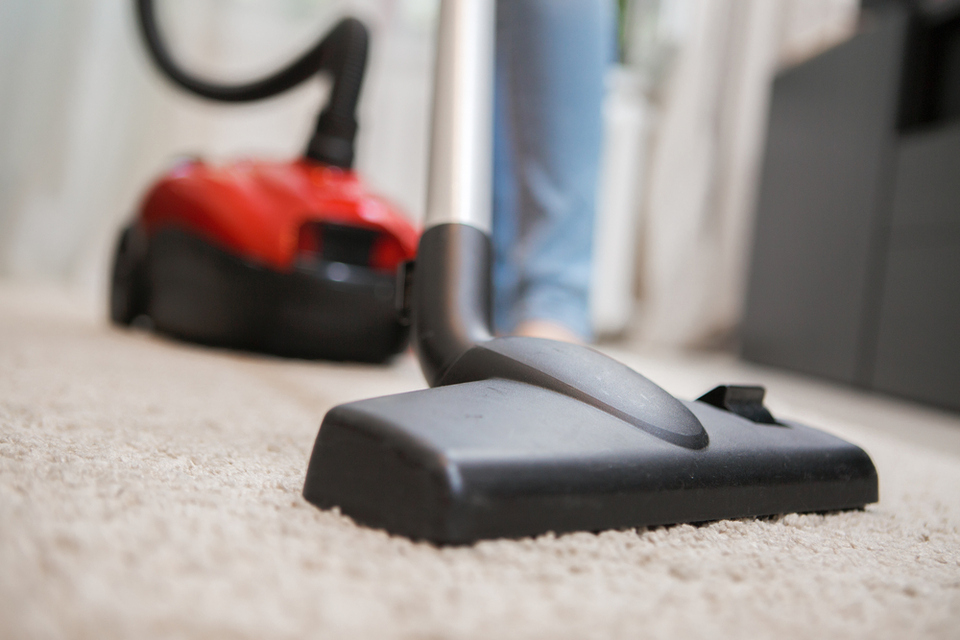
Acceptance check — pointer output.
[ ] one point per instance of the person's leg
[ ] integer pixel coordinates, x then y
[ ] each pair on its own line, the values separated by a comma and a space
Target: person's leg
551, 59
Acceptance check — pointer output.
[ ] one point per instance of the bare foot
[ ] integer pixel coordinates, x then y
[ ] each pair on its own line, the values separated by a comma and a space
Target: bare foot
546, 329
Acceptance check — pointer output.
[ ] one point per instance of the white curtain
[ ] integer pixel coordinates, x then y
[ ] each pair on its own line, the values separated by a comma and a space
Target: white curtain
86, 122
697, 210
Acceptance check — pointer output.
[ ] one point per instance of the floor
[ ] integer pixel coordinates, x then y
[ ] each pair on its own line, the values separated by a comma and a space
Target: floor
152, 489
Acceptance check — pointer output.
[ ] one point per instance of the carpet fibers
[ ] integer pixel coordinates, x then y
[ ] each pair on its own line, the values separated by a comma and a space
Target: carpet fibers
152, 489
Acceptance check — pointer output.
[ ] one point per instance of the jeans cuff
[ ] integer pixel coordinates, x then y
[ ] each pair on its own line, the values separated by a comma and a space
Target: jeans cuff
566, 307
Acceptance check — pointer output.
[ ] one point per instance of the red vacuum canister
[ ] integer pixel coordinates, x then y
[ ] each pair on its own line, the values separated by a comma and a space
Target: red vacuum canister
292, 258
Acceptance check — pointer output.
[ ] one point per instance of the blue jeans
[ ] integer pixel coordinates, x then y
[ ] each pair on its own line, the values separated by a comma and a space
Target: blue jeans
551, 56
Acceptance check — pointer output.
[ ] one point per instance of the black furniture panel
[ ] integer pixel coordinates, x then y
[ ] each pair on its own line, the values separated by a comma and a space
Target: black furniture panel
919, 340
927, 180
918, 345
856, 265
829, 140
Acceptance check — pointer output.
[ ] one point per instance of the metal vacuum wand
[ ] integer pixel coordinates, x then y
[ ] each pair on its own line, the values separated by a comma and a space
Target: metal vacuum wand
461, 146
452, 297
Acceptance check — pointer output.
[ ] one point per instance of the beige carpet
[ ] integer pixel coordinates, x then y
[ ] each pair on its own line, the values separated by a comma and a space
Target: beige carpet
152, 489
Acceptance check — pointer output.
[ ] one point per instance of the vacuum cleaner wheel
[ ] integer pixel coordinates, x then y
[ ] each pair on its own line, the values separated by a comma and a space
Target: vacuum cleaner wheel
196, 291
128, 297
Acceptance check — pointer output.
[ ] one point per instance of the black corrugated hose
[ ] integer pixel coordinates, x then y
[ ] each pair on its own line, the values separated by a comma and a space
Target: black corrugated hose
342, 53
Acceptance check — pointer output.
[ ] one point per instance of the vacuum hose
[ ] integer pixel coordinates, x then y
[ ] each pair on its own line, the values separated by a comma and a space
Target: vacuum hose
342, 53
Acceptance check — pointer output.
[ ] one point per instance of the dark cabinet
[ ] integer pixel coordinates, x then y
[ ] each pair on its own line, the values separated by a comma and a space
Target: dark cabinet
855, 271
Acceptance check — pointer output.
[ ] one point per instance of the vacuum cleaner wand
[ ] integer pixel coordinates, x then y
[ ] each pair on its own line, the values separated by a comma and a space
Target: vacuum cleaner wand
521, 436
452, 301
342, 53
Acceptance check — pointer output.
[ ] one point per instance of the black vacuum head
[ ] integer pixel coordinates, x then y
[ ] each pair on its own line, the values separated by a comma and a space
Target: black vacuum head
548, 436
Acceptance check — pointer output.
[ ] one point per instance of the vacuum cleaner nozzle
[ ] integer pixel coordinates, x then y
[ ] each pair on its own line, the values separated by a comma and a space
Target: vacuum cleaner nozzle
523, 435
502, 458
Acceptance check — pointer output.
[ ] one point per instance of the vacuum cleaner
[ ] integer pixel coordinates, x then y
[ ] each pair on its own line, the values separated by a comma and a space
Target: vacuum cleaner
292, 258
520, 436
